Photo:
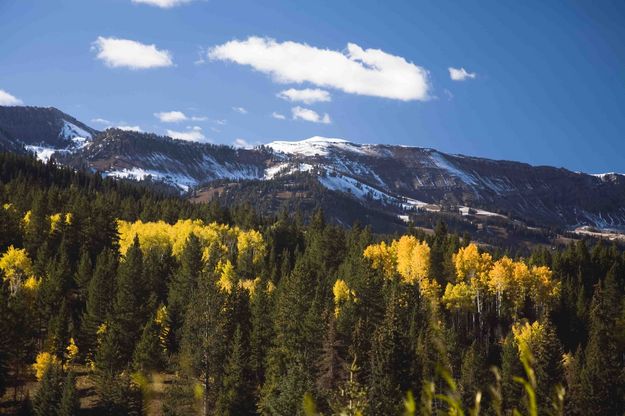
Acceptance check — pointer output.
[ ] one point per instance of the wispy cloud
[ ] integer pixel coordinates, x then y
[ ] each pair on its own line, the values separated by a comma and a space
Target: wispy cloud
371, 72
163, 4
193, 134
240, 110
100, 121
129, 128
306, 96
8, 99
242, 143
460, 74
300, 113
278, 116
120, 53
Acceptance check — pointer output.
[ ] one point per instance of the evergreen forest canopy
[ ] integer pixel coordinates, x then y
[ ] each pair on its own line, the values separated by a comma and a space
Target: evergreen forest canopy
118, 300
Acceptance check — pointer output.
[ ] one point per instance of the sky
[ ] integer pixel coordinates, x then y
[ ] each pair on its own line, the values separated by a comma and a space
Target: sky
541, 82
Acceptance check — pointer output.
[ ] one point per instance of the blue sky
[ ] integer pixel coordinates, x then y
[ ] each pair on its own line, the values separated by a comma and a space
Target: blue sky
548, 83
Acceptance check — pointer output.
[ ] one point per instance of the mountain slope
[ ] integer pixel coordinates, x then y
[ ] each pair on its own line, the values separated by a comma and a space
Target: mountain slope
372, 183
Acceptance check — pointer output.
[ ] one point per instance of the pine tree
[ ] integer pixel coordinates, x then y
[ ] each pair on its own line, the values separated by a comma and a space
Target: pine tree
203, 343
184, 282
148, 355
473, 373
261, 332
99, 303
601, 377
48, 397
236, 395
83, 276
129, 310
70, 404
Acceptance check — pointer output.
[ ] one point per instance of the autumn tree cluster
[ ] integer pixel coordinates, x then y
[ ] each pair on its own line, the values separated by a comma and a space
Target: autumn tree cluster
116, 287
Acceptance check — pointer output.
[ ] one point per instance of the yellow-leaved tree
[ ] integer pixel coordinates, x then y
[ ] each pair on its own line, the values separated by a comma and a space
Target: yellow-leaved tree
18, 269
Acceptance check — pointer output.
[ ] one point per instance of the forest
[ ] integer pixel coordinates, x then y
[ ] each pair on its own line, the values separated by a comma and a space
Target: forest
117, 299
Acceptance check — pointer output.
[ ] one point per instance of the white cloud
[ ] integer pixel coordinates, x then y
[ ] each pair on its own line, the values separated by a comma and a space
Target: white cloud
220, 122
371, 72
163, 4
242, 143
307, 95
460, 74
100, 121
194, 134
300, 113
278, 116
8, 99
171, 116
240, 110
130, 128
117, 53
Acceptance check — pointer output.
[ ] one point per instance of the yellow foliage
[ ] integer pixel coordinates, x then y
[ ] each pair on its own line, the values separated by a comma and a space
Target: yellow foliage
251, 246
7, 206
26, 219
383, 257
42, 362
413, 259
102, 329
459, 296
470, 264
161, 320
31, 283
227, 276
69, 217
55, 221
527, 335
250, 285
501, 275
72, 350
17, 267
342, 293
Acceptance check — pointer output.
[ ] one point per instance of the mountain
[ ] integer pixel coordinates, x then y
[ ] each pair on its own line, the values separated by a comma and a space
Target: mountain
384, 185
42, 131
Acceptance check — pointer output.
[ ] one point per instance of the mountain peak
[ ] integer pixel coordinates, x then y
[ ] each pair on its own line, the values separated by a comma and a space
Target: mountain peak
315, 146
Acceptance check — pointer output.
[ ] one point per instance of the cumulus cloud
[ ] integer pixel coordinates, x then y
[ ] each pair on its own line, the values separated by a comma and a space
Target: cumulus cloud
371, 72
278, 116
171, 116
117, 53
306, 96
460, 74
130, 128
163, 4
300, 113
177, 116
240, 110
8, 99
194, 134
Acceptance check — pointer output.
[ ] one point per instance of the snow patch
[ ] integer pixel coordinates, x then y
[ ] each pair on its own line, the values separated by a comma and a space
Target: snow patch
317, 146
181, 181
44, 153
440, 161
70, 131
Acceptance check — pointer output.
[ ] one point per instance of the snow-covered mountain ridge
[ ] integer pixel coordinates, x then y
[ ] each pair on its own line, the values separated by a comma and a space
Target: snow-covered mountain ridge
402, 181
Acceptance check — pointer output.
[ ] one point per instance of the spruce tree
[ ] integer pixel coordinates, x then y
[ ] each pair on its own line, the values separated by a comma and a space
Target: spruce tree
129, 307
148, 354
70, 404
48, 397
99, 304
236, 396
184, 282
